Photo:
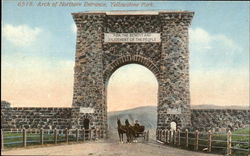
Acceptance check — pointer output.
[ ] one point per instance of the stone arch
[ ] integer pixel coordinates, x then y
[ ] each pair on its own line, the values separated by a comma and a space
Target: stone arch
173, 118
128, 60
84, 118
97, 58
86, 123
125, 60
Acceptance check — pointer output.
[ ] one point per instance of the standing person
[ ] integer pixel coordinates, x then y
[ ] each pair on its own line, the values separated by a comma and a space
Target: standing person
137, 123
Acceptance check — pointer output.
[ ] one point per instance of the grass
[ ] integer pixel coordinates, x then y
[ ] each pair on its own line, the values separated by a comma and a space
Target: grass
242, 131
245, 131
13, 139
216, 145
238, 135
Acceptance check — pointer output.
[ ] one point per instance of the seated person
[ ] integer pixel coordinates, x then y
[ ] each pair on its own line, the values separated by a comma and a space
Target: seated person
137, 123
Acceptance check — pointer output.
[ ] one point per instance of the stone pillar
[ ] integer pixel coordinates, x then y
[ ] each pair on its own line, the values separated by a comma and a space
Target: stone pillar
174, 94
88, 77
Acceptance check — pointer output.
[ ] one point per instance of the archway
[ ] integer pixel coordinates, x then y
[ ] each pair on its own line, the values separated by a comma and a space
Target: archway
86, 124
132, 90
129, 83
156, 40
126, 60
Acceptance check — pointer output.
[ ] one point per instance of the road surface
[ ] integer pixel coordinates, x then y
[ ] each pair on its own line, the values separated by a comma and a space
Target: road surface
105, 148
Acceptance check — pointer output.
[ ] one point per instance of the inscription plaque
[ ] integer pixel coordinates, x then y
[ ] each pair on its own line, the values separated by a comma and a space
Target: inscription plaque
86, 110
174, 111
132, 37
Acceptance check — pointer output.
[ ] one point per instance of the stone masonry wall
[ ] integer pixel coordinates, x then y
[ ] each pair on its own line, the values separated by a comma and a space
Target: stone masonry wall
31, 117
219, 120
60, 118
96, 61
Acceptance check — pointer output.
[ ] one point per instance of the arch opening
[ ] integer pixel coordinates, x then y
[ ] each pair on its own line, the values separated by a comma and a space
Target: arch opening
125, 60
132, 87
131, 83
86, 123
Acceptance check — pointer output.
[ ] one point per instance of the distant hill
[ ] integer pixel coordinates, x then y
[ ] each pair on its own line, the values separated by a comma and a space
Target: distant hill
147, 115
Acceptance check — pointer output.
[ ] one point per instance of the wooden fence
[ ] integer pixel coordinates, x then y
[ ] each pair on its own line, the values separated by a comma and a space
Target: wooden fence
209, 142
25, 137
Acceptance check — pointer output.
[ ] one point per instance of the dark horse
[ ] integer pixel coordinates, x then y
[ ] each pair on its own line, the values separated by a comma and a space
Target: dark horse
130, 131
121, 130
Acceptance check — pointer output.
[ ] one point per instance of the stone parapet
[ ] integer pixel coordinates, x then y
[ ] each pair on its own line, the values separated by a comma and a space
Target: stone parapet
32, 117
219, 119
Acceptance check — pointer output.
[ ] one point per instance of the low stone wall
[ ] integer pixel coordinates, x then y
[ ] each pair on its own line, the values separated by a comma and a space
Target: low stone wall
219, 119
61, 118
32, 117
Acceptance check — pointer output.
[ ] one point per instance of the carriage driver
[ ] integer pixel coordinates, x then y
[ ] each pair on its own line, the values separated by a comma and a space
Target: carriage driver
137, 123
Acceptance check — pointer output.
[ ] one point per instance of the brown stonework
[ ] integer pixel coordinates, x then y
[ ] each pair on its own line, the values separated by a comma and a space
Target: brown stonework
95, 61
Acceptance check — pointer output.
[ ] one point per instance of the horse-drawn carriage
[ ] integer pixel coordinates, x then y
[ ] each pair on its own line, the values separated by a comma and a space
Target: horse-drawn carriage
132, 132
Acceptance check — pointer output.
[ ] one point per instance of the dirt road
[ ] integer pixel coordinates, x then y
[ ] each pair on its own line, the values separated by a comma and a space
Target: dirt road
104, 148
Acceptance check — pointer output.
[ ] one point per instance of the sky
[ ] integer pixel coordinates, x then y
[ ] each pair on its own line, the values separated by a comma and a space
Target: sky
38, 49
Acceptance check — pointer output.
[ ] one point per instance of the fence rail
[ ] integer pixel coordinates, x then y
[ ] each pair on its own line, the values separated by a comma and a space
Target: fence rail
27, 137
203, 141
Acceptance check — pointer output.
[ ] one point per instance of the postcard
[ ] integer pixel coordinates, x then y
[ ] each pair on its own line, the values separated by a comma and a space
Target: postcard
124, 77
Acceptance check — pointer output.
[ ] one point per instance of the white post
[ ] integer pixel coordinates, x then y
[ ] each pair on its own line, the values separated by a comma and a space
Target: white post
24, 137
179, 137
196, 140
229, 143
55, 136
186, 137
209, 141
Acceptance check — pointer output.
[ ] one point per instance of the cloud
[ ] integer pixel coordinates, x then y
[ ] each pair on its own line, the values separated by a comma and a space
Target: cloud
21, 35
202, 41
215, 51
200, 36
73, 28
226, 42
219, 69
